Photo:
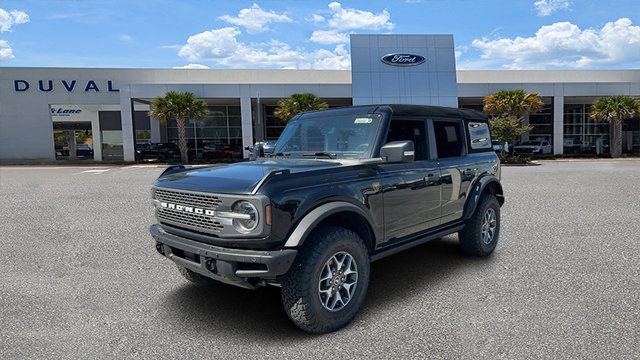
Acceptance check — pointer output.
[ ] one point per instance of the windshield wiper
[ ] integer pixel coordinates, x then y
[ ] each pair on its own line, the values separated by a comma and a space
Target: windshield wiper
321, 153
280, 154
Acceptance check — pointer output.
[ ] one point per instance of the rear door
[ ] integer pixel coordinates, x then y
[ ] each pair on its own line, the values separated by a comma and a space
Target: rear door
457, 170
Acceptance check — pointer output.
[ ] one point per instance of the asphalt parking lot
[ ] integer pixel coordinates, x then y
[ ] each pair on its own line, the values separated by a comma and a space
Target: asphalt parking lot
81, 278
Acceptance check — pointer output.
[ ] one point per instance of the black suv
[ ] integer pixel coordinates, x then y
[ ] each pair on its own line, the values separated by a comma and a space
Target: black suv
158, 151
343, 187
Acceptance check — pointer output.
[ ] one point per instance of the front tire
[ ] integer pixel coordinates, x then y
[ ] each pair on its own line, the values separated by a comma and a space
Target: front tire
480, 235
325, 288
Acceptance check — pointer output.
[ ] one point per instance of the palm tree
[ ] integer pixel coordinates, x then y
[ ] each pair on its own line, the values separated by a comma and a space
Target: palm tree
615, 110
180, 106
298, 103
510, 107
507, 129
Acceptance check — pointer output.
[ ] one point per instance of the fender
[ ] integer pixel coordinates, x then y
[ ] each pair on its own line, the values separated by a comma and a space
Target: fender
477, 190
317, 215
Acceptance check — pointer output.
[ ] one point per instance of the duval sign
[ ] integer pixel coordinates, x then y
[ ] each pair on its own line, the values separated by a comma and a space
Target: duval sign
65, 85
403, 59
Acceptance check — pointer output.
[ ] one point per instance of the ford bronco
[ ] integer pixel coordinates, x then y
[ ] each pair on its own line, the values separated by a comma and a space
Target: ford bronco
342, 188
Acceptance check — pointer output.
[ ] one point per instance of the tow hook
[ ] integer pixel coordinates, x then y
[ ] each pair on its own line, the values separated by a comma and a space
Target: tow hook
159, 248
210, 264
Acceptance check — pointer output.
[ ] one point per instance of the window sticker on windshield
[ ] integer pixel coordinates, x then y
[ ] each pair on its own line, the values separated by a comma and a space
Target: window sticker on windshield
363, 121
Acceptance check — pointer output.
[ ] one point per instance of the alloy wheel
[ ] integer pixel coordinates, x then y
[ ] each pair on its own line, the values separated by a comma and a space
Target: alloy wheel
338, 281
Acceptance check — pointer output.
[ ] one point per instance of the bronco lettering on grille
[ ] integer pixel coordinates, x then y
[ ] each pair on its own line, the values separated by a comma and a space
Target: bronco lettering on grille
188, 209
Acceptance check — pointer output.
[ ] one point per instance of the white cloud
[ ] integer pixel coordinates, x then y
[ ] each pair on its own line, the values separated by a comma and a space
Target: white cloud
329, 37
13, 17
317, 19
7, 20
213, 44
565, 45
5, 51
342, 20
222, 47
281, 55
192, 66
352, 19
548, 7
255, 20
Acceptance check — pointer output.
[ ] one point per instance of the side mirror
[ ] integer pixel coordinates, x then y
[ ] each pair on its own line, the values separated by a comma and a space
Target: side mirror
398, 151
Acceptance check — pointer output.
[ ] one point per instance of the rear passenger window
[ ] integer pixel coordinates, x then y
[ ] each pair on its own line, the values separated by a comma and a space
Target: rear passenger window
479, 136
448, 139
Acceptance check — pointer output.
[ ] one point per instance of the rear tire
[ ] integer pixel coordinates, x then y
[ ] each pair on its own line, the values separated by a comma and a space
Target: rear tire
326, 286
480, 235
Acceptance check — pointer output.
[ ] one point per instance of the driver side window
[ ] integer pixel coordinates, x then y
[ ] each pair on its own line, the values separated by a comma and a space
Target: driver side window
414, 130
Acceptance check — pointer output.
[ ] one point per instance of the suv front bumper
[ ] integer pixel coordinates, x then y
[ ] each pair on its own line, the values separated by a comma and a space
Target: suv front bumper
243, 268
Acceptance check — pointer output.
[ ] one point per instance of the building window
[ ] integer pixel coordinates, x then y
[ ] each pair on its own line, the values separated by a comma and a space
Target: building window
631, 136
583, 134
223, 125
274, 125
542, 123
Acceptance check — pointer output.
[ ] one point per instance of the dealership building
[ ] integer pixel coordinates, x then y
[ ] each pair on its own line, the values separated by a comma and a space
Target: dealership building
45, 111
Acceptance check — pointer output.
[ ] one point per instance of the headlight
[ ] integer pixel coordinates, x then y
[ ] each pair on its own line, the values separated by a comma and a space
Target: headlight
245, 216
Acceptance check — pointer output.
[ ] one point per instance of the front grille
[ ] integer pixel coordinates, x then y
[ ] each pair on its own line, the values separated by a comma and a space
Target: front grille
206, 213
200, 222
186, 198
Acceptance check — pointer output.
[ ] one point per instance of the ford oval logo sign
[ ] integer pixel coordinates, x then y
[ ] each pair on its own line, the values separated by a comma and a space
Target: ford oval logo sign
403, 59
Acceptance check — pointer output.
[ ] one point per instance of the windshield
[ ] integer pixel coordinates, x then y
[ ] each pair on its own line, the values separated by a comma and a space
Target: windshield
329, 135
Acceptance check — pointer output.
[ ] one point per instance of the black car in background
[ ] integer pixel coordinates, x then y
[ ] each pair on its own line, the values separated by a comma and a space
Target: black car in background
220, 151
158, 151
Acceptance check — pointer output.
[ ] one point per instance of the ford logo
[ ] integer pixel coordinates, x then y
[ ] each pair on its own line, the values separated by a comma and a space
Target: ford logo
403, 59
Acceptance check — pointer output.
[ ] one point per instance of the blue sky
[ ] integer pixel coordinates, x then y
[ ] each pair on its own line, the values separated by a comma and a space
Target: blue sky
304, 34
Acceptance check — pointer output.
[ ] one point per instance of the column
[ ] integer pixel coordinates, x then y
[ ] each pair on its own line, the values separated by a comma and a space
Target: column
247, 124
97, 138
558, 124
126, 116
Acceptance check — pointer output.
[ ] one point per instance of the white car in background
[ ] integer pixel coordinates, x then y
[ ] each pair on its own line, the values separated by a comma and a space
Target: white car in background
533, 147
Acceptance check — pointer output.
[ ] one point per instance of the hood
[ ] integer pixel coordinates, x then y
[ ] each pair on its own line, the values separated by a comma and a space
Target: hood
237, 178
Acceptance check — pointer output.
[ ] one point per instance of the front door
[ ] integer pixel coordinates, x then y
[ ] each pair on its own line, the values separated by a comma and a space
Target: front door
411, 191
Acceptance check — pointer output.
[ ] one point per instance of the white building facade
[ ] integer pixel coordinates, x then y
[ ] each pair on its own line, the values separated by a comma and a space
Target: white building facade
45, 110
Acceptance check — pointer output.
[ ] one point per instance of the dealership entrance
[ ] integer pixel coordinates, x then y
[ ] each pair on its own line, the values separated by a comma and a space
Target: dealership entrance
74, 127
73, 140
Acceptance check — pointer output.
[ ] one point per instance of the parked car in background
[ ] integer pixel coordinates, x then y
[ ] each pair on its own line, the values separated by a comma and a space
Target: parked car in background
158, 151
83, 151
533, 147
220, 151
